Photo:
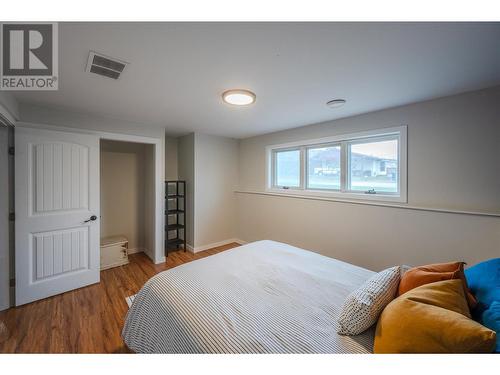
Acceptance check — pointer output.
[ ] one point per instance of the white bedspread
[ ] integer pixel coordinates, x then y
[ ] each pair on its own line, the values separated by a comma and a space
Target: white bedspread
264, 297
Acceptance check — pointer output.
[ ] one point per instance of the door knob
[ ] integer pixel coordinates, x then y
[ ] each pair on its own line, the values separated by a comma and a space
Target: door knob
92, 218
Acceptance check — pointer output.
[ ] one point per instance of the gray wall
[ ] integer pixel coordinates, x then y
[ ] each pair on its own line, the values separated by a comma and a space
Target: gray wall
149, 202
60, 117
209, 164
186, 172
9, 107
216, 176
453, 146
171, 163
453, 163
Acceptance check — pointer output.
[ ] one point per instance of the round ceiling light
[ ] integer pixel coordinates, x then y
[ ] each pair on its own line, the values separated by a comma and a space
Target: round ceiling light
335, 103
238, 97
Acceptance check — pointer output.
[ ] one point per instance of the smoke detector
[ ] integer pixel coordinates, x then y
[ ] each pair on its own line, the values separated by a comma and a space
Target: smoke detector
104, 65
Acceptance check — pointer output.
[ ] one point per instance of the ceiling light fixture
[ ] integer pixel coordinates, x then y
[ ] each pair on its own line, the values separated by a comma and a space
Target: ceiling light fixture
335, 103
238, 97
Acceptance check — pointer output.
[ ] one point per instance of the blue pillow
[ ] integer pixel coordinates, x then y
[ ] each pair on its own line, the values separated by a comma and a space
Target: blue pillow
483, 279
491, 319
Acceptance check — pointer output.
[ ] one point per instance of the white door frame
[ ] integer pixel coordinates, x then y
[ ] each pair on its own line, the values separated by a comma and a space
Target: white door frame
158, 143
4, 220
9, 115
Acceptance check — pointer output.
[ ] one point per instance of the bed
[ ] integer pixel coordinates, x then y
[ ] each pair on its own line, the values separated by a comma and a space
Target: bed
263, 297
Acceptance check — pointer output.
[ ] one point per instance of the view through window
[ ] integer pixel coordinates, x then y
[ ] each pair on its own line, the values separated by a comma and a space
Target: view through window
288, 168
374, 166
323, 167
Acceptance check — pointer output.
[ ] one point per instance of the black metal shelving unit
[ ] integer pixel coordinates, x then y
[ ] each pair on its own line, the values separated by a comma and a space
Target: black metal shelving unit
175, 215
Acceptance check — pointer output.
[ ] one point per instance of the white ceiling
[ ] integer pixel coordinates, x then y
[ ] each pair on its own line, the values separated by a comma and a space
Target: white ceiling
178, 71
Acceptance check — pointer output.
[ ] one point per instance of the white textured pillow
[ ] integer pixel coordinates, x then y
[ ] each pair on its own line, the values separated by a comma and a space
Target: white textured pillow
362, 307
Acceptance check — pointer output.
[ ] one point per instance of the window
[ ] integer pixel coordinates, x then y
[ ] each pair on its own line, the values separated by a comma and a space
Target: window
287, 168
323, 167
373, 165
368, 165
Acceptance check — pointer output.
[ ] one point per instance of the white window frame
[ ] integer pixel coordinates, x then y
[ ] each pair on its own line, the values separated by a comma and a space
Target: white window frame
399, 132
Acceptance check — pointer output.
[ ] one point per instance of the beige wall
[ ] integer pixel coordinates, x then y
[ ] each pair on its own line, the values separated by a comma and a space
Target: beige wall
216, 176
123, 176
453, 163
171, 162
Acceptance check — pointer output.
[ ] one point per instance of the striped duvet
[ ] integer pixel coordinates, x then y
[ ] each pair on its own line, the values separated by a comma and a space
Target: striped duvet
264, 297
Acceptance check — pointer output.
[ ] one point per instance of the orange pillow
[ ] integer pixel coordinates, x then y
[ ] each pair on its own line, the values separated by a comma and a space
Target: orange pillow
432, 318
431, 273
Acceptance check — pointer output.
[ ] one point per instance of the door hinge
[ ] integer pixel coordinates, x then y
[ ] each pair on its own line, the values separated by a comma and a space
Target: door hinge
12, 216
12, 151
12, 283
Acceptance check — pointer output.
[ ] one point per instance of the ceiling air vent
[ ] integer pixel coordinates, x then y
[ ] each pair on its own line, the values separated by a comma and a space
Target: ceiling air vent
105, 66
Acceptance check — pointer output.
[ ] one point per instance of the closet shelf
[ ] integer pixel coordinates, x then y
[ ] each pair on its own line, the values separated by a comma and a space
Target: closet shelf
174, 243
175, 215
176, 211
174, 226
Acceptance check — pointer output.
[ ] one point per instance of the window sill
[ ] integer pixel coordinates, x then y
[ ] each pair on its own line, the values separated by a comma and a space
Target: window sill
339, 195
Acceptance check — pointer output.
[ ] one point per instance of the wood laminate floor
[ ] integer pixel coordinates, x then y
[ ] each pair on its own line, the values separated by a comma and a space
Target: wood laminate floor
89, 319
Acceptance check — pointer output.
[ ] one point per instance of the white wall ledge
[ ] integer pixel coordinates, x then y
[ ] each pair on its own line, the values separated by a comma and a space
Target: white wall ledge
372, 203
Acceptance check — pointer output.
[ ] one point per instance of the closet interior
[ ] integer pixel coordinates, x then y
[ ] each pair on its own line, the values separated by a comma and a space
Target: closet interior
127, 201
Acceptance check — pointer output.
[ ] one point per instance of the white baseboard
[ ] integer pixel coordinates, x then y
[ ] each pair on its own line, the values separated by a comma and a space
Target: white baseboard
136, 250
161, 260
197, 249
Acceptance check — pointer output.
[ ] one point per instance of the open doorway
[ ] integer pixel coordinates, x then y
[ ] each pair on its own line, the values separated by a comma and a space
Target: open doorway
127, 201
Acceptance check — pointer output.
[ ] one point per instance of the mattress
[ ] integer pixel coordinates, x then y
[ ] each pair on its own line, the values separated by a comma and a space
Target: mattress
263, 297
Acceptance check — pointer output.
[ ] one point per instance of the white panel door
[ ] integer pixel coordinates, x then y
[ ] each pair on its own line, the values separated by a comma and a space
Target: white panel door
57, 211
